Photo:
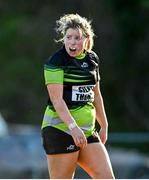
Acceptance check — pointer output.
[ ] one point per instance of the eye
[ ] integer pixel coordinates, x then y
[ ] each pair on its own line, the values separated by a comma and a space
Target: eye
78, 38
68, 37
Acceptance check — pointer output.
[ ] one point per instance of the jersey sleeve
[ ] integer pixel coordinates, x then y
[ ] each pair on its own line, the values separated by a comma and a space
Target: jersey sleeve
53, 70
97, 69
97, 62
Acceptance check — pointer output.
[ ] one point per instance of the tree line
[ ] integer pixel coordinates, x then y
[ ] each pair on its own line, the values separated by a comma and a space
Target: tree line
27, 40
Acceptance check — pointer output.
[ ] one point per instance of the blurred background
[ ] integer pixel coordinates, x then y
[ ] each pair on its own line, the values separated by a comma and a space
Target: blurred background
27, 40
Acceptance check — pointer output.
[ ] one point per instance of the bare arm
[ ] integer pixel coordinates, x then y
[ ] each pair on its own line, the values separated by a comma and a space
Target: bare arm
100, 113
56, 95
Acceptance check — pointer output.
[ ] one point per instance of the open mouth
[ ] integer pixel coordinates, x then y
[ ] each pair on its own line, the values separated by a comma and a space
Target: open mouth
72, 49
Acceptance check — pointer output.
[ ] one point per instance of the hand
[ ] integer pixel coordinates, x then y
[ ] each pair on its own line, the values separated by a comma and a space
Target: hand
103, 133
79, 137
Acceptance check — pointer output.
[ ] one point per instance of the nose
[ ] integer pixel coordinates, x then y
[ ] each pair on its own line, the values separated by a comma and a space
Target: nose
73, 41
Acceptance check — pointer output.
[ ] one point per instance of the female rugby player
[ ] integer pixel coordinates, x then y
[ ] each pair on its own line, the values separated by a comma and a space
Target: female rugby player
75, 102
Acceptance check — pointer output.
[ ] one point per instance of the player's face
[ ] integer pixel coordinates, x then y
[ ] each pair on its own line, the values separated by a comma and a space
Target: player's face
74, 42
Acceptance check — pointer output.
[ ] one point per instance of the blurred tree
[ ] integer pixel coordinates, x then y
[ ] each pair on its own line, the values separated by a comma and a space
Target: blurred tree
26, 40
131, 64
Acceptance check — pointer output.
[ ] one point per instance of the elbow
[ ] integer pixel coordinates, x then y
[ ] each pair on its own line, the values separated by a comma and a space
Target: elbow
98, 99
56, 101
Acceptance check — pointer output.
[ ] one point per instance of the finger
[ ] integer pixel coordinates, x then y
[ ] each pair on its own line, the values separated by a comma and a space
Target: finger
84, 145
83, 142
80, 142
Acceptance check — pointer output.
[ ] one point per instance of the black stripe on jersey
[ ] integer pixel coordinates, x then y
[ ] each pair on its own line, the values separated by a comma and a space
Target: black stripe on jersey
77, 77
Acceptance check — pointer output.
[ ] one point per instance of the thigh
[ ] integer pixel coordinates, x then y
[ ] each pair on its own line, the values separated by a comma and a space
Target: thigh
56, 141
94, 159
62, 166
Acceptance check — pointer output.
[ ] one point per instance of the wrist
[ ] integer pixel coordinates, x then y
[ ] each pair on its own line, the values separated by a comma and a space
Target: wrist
104, 127
72, 125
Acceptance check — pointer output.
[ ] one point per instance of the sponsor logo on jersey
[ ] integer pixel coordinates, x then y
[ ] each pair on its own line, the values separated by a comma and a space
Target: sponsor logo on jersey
84, 65
83, 93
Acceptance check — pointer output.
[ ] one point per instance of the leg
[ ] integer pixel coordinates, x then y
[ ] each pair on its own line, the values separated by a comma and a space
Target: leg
95, 161
62, 166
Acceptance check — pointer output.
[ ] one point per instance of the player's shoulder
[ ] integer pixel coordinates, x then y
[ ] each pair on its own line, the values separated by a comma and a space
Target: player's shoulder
56, 59
93, 56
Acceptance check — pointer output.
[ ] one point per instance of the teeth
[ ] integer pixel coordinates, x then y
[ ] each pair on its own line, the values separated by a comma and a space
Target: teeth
73, 49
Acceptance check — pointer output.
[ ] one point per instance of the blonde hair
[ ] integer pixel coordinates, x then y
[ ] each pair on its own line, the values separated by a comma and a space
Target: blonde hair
75, 21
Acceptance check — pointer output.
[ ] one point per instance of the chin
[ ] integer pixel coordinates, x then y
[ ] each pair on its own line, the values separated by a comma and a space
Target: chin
72, 54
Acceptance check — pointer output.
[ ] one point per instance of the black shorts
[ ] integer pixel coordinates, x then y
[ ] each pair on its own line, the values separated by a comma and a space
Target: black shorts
56, 141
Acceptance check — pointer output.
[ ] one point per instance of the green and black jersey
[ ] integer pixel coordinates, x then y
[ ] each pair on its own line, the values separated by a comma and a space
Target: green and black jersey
78, 75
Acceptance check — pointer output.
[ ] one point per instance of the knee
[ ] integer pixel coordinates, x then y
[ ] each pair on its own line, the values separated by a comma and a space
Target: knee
103, 175
61, 175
